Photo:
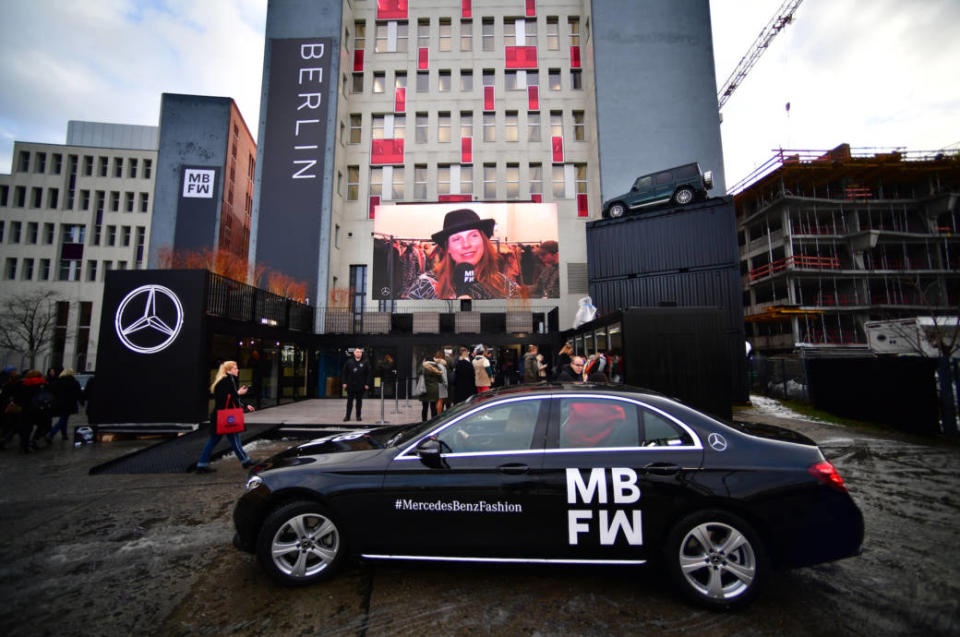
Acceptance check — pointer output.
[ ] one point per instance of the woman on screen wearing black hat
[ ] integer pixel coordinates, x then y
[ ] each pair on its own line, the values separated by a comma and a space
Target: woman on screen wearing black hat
469, 267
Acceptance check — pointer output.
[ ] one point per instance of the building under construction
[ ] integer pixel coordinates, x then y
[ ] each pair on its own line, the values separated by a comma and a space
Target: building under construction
831, 240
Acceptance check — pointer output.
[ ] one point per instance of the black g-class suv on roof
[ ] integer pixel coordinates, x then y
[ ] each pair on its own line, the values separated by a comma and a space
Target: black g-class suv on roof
680, 185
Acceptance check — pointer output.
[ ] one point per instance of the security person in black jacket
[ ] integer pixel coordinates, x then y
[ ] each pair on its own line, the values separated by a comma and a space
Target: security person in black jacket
355, 377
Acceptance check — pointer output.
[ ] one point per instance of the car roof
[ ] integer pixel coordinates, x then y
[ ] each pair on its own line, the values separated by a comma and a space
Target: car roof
570, 387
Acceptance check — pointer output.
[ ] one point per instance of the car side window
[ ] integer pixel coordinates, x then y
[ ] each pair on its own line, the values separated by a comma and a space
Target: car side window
596, 423
687, 172
664, 178
502, 427
643, 184
659, 431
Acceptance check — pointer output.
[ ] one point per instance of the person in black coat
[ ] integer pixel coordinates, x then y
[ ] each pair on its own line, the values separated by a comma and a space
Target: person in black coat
66, 394
34, 419
226, 395
464, 385
572, 373
355, 377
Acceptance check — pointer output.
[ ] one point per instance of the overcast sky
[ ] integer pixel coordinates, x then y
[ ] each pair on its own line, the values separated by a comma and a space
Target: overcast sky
873, 73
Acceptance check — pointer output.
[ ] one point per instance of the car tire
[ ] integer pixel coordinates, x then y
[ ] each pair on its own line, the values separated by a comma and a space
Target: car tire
716, 559
683, 196
300, 543
616, 210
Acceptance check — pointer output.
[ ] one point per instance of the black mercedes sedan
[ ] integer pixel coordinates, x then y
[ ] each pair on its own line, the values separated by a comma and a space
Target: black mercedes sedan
556, 474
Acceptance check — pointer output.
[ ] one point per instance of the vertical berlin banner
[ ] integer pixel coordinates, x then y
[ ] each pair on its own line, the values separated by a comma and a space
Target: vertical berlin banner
292, 159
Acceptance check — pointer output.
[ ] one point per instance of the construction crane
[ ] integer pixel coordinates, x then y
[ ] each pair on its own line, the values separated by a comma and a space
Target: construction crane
781, 19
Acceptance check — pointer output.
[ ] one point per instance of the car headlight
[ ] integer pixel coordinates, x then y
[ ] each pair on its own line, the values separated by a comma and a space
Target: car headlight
253, 482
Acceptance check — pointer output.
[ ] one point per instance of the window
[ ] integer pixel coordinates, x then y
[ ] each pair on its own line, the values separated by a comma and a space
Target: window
24, 161
519, 32
83, 334
92, 270
553, 78
353, 183
466, 80
489, 77
578, 126
466, 124
421, 128
2, 227
556, 123
16, 228
400, 80
420, 181
573, 24
125, 236
446, 35
33, 230
132, 168
443, 179
128, 201
376, 182
27, 274
41, 165
423, 81
111, 235
502, 427
580, 173
559, 183
87, 165
10, 270
118, 167
84, 200
144, 202
536, 179
466, 35
141, 239
490, 181
533, 126
121, 265
36, 197
443, 127
58, 164
487, 34
356, 121
576, 80
44, 273
377, 126
357, 84
423, 33
115, 201
466, 180
553, 33
49, 231
511, 126
489, 127
20, 196
53, 198
379, 81
591, 423
147, 168
397, 189
4, 194
513, 181
360, 35
444, 82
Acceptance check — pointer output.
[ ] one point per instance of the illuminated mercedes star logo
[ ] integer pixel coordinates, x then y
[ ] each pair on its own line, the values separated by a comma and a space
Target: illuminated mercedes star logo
718, 442
149, 319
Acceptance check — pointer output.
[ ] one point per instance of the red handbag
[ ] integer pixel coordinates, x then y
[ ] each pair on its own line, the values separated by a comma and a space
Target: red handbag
230, 421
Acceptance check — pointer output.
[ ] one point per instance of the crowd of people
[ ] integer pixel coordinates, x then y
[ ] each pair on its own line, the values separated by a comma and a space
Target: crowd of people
461, 261
30, 401
444, 381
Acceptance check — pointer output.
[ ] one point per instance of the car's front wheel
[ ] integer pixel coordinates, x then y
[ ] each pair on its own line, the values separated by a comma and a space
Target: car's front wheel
716, 558
616, 210
300, 543
683, 196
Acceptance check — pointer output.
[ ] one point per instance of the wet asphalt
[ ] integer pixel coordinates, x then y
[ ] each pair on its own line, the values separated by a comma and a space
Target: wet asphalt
152, 554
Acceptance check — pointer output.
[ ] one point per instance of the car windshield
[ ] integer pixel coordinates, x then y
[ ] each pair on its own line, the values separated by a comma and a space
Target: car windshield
415, 431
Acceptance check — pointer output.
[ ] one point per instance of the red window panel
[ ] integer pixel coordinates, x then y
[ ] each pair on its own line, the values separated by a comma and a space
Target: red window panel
423, 59
536, 198
374, 202
391, 9
386, 152
531, 8
401, 101
557, 144
574, 57
465, 9
358, 61
521, 57
582, 205
533, 98
466, 150
488, 104
454, 198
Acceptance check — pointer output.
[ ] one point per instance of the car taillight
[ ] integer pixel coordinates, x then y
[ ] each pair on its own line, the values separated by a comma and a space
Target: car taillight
827, 474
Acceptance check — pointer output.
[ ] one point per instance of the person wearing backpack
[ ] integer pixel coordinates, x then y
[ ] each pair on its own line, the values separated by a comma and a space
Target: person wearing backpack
36, 404
66, 394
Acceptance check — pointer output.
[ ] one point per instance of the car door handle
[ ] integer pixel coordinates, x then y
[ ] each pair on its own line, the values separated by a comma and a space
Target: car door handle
514, 469
661, 468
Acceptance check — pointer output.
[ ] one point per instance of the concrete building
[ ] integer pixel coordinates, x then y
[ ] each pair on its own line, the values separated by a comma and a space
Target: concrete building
68, 214
557, 101
830, 240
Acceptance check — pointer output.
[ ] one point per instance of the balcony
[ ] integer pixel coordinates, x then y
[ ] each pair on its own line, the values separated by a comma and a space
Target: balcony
796, 262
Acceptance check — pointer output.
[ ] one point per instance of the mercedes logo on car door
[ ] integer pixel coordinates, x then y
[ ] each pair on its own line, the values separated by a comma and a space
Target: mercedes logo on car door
149, 319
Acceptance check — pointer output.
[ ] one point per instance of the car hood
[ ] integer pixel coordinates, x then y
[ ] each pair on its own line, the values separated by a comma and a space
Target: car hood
336, 450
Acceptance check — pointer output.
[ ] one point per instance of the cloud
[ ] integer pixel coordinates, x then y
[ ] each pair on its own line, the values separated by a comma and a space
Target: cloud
110, 60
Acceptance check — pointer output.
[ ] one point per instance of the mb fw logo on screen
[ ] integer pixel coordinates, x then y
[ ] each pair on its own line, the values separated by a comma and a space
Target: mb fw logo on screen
198, 183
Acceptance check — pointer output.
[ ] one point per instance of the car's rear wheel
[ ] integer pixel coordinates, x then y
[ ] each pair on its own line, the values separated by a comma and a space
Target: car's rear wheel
716, 558
300, 543
683, 196
616, 210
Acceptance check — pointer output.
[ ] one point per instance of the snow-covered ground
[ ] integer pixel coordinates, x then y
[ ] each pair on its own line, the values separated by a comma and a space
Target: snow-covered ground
773, 407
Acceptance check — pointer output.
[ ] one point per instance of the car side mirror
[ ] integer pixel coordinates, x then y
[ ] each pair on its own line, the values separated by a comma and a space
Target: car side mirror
430, 452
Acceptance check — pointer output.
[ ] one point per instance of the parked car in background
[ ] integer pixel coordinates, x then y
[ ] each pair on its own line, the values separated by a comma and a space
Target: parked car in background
680, 185
556, 474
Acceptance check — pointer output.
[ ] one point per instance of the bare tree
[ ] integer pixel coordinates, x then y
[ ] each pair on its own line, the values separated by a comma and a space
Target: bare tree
27, 323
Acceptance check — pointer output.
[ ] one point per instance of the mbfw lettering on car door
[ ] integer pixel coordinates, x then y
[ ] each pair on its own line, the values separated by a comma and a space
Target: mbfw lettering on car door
609, 522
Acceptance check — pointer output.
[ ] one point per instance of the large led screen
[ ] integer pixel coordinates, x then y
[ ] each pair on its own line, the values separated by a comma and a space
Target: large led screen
466, 250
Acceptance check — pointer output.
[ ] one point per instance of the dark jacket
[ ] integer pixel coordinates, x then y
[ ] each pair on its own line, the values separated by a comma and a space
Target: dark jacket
355, 374
464, 385
226, 388
567, 375
66, 394
24, 397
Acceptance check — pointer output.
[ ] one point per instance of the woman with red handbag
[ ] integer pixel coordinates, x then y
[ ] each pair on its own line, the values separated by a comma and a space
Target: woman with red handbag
226, 402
